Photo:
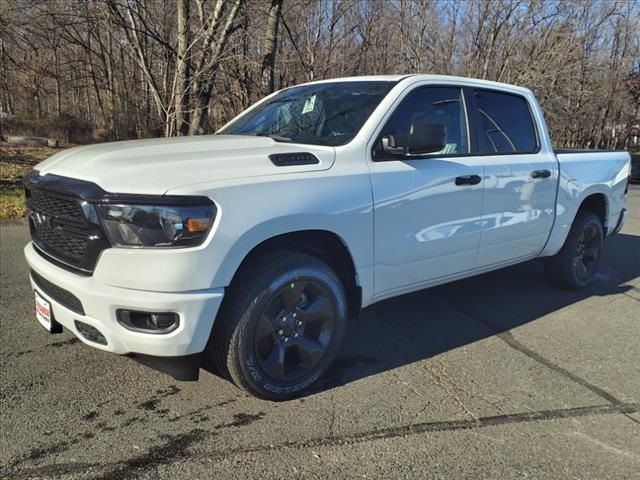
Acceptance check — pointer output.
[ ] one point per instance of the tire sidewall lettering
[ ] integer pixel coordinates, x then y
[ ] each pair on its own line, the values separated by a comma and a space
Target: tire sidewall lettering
252, 369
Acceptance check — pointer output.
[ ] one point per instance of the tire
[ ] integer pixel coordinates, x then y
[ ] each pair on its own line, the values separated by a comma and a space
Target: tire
281, 325
574, 267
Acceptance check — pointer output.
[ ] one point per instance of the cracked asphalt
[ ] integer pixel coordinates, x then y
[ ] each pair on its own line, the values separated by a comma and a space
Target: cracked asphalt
496, 376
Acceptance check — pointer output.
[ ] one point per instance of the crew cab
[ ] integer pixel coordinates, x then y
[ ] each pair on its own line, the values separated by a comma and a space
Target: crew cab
249, 249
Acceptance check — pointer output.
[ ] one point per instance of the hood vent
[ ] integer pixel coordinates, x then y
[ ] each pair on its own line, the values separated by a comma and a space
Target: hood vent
291, 159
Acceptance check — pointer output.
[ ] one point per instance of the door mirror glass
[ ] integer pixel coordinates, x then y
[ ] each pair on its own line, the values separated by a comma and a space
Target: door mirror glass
427, 138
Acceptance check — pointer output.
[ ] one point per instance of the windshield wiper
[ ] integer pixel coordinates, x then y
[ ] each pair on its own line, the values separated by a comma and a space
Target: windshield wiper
275, 136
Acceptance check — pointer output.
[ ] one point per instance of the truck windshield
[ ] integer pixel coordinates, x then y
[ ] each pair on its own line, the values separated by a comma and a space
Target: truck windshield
322, 114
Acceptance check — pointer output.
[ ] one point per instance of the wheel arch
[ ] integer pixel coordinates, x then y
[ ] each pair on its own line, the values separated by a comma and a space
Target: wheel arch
595, 199
596, 203
326, 245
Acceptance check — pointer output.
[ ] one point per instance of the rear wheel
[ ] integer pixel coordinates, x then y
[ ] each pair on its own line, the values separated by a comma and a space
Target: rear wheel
281, 325
575, 265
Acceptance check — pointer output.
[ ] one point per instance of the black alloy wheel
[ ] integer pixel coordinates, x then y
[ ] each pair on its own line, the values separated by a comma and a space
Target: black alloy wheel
587, 252
294, 330
575, 265
280, 326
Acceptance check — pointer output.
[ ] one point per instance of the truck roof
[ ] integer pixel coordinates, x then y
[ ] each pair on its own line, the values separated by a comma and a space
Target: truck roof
423, 77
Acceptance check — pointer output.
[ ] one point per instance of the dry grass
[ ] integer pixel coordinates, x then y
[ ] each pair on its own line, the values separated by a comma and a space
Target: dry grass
15, 163
12, 204
20, 154
13, 171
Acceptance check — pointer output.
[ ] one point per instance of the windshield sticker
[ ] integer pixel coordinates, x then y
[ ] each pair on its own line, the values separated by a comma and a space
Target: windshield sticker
309, 105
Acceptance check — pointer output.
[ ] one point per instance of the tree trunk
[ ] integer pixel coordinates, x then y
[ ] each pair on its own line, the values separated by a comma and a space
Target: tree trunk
214, 43
183, 70
57, 82
269, 48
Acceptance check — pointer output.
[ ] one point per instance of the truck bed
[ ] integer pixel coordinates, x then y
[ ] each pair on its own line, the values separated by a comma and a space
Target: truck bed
583, 150
585, 172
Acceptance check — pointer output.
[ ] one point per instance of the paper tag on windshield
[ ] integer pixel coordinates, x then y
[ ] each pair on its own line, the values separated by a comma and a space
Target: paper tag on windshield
309, 105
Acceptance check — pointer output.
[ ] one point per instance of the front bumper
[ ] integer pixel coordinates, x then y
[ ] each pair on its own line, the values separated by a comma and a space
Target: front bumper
197, 311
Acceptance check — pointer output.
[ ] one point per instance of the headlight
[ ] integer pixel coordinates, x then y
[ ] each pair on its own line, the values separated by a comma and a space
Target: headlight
130, 225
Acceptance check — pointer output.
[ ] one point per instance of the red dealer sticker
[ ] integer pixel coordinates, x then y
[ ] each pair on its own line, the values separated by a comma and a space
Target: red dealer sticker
43, 312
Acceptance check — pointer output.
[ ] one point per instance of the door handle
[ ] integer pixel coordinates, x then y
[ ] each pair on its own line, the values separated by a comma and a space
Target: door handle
468, 180
541, 174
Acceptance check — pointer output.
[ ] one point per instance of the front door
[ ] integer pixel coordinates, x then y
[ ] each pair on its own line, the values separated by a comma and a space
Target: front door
428, 208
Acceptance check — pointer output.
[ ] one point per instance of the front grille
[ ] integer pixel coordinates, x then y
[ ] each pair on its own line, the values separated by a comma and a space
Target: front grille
61, 242
60, 295
60, 229
56, 206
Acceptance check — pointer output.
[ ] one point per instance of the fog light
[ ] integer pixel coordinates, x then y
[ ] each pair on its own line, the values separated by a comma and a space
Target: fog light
90, 333
148, 322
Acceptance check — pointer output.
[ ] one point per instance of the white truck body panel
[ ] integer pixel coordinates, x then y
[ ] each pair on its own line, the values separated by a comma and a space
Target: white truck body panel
377, 209
581, 175
154, 166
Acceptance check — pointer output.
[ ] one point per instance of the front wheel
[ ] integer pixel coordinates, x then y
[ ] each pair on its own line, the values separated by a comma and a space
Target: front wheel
575, 265
281, 325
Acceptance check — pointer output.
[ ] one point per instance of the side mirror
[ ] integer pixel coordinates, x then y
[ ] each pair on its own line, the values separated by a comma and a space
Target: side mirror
427, 138
423, 138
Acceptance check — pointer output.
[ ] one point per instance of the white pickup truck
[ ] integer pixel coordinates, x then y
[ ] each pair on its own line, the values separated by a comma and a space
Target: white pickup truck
250, 248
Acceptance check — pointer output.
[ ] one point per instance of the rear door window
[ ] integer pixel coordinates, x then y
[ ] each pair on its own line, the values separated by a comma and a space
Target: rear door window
504, 123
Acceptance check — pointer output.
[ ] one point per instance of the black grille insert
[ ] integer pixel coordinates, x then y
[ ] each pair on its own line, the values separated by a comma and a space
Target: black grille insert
60, 295
63, 222
56, 206
61, 242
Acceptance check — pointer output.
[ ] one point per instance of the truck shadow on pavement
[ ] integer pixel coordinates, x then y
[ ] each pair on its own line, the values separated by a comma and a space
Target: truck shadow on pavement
423, 324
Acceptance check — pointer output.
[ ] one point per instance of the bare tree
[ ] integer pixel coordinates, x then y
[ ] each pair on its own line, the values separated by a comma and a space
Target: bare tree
269, 47
134, 68
183, 68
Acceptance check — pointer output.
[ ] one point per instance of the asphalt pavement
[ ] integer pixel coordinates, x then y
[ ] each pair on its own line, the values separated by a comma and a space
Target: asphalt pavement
497, 376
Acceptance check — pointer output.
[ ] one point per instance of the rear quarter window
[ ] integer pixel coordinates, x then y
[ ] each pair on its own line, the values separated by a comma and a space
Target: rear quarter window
504, 123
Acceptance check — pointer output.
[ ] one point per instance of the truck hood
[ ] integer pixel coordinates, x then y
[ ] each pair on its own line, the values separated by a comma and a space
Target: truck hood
155, 166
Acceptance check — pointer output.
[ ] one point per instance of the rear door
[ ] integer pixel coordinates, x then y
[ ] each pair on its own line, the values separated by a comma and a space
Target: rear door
519, 179
427, 214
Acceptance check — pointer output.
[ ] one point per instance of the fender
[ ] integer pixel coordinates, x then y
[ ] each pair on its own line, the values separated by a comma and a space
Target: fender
254, 212
275, 227
570, 200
